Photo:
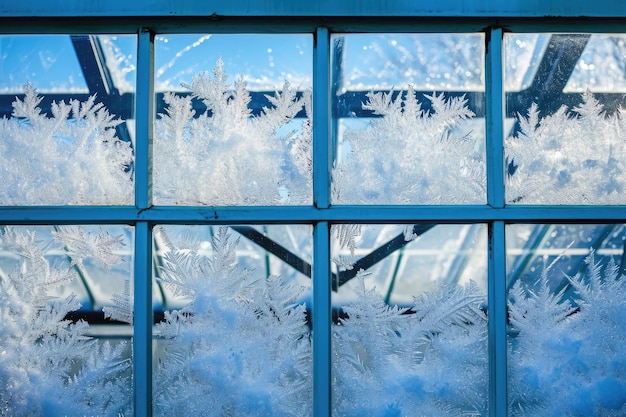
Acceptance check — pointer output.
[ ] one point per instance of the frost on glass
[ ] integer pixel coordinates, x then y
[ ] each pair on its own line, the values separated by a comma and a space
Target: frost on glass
564, 147
420, 140
234, 340
569, 157
426, 351
566, 328
52, 362
431, 62
64, 139
221, 142
601, 67
73, 156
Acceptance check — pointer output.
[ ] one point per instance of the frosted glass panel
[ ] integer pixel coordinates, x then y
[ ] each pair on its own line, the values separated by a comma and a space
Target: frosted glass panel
235, 337
566, 329
64, 106
410, 320
233, 124
566, 144
408, 120
65, 315
601, 67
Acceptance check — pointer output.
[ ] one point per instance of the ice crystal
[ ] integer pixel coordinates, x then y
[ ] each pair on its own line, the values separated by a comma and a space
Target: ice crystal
431, 357
72, 157
239, 347
225, 156
411, 156
566, 355
569, 157
48, 366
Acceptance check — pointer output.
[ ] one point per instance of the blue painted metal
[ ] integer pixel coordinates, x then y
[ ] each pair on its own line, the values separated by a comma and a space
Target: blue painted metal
247, 8
143, 320
307, 215
495, 117
321, 317
496, 269
321, 119
144, 108
497, 309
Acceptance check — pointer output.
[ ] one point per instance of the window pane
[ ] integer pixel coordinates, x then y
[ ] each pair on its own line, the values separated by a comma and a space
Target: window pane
566, 328
410, 331
65, 136
566, 141
65, 310
408, 119
235, 337
601, 67
233, 124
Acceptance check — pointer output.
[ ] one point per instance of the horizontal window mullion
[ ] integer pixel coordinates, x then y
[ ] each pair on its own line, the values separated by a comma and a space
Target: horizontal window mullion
68, 214
307, 214
347, 8
305, 24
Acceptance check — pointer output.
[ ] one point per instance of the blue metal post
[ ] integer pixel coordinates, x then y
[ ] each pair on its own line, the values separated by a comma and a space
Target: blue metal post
321, 313
322, 389
494, 118
495, 198
321, 119
497, 321
142, 340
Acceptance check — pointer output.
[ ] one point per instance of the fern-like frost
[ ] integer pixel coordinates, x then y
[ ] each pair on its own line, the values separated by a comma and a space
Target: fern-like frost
72, 157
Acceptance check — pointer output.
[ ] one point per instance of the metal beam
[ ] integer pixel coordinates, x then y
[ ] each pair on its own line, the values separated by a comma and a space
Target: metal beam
262, 8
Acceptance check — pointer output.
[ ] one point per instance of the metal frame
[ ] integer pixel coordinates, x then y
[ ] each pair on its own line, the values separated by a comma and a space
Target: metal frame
321, 18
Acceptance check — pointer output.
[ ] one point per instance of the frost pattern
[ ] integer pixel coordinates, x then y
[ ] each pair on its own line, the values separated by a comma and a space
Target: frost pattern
240, 347
48, 366
412, 156
568, 157
72, 157
432, 362
225, 156
243, 347
567, 356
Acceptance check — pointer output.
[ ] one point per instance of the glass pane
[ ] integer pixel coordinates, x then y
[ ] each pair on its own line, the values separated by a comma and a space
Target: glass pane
410, 320
408, 119
601, 67
566, 142
234, 337
233, 120
66, 104
66, 308
566, 329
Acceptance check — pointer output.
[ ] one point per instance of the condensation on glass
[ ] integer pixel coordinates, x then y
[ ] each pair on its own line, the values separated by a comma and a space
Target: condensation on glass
564, 138
66, 110
408, 119
234, 333
410, 323
566, 330
233, 123
66, 314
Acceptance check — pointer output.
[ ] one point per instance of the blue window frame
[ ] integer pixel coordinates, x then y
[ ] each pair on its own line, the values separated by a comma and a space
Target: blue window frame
320, 19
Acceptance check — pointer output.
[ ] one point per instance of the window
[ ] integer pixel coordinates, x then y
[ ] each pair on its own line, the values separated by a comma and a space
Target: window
312, 210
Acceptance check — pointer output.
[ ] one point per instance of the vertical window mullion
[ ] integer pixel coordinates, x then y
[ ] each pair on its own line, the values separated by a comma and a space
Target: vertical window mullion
497, 321
494, 118
142, 331
321, 308
495, 198
321, 119
321, 316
